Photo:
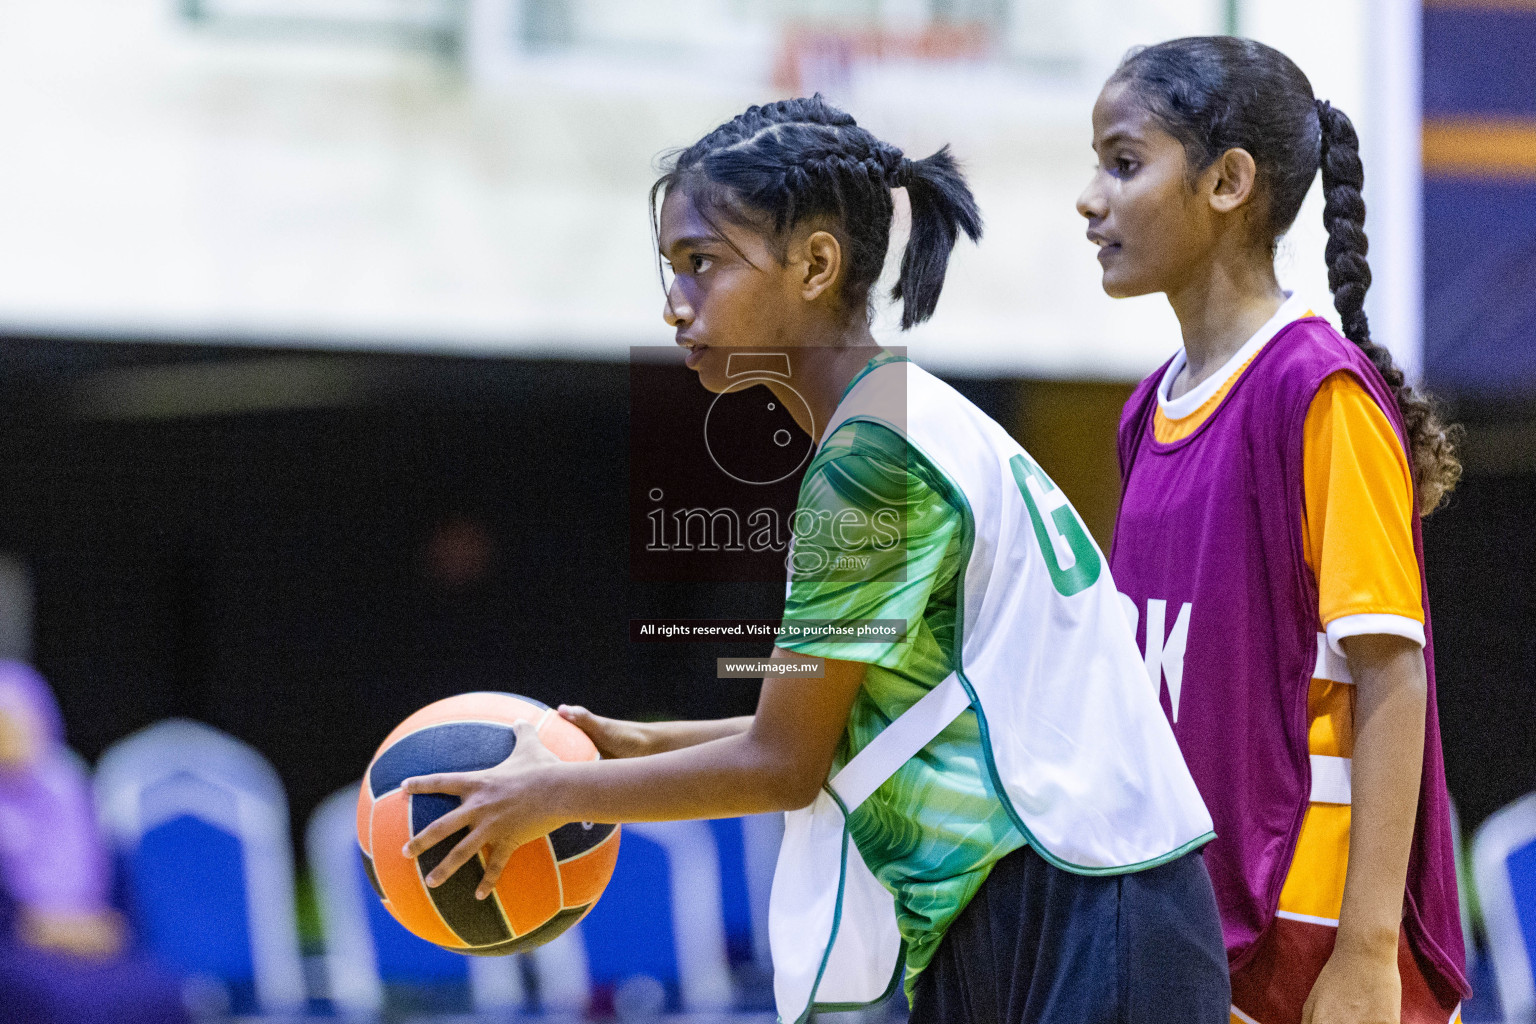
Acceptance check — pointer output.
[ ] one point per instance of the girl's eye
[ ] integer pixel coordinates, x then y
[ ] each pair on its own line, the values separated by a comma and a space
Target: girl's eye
1123, 167
699, 263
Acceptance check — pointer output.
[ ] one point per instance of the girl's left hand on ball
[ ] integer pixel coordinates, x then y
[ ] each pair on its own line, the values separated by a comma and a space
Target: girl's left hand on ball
501, 807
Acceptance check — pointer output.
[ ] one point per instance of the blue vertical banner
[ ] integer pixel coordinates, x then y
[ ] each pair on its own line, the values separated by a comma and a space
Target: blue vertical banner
1480, 197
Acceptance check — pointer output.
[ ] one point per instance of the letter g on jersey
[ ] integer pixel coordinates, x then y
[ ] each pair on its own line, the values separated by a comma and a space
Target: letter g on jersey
1069, 552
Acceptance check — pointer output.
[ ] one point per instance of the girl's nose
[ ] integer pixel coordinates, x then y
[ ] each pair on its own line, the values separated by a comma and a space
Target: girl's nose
1091, 202
676, 311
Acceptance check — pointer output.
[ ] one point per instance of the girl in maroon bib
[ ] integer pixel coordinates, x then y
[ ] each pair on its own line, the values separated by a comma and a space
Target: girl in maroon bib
1264, 466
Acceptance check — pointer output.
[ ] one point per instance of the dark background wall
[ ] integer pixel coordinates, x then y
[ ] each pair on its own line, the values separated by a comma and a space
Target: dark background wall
1480, 561
302, 549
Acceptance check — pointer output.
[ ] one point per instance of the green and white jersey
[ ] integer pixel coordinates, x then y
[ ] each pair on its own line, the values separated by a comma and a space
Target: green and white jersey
919, 507
933, 830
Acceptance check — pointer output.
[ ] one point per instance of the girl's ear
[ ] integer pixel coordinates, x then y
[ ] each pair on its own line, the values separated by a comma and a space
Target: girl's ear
821, 261
1229, 181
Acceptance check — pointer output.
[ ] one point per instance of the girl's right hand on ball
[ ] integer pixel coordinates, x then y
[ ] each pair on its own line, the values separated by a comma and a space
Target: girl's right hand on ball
612, 737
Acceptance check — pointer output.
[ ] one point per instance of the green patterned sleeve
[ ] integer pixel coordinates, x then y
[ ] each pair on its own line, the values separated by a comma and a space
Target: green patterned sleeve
874, 538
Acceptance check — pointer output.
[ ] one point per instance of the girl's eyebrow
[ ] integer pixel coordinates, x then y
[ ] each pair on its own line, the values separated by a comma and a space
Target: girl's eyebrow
1119, 137
693, 240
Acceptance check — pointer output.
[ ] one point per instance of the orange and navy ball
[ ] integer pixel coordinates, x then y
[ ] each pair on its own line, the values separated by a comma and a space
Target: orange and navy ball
548, 885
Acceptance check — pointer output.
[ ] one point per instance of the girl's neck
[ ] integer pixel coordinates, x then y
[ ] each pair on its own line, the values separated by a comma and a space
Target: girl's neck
821, 372
1218, 312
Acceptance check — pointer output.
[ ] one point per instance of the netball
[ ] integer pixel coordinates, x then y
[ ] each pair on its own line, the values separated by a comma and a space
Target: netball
550, 883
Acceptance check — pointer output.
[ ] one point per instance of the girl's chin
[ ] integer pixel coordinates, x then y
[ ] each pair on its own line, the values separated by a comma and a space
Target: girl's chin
1116, 286
709, 366
712, 382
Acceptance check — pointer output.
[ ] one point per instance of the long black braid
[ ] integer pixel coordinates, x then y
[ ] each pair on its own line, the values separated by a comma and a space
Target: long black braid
1436, 467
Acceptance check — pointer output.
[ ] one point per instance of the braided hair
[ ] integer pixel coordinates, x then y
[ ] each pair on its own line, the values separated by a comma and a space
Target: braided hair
795, 161
1215, 93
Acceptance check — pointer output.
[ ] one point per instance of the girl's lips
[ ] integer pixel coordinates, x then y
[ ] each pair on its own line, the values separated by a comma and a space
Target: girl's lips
694, 355
1108, 249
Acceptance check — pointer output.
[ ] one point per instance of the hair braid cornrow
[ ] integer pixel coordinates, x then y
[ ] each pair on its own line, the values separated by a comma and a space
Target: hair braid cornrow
1349, 274
802, 160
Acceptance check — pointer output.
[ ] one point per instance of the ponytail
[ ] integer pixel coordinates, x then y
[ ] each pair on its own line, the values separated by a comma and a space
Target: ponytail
1431, 442
792, 161
942, 207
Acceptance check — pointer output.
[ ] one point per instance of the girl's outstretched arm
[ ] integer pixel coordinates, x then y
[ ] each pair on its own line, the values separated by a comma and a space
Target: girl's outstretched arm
1360, 983
615, 737
777, 764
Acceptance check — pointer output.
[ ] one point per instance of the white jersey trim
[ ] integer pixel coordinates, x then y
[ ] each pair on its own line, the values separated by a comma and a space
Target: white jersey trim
1331, 779
1374, 623
1291, 310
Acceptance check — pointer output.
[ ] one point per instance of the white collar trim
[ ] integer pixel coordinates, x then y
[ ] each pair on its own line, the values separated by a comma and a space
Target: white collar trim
1291, 310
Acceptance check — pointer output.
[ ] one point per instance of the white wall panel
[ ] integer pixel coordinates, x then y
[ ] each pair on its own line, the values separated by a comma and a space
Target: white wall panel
161, 180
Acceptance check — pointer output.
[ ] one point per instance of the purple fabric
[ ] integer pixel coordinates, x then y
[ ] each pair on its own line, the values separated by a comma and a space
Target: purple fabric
51, 855
39, 987
1215, 520
52, 859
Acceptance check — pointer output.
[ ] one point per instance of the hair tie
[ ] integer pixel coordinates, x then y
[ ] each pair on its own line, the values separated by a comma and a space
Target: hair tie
903, 173
1323, 110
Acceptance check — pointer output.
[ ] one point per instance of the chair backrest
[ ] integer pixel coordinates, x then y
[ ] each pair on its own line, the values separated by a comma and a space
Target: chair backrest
201, 825
1504, 868
761, 835
735, 899
662, 916
749, 849
563, 973
364, 946
368, 951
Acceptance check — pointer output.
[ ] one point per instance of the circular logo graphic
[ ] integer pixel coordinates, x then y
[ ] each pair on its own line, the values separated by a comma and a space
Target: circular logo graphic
752, 437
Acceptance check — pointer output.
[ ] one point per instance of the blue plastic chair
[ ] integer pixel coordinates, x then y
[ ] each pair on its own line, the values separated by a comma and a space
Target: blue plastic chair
749, 852
365, 947
200, 823
662, 917
1504, 868
749, 849
735, 896
369, 954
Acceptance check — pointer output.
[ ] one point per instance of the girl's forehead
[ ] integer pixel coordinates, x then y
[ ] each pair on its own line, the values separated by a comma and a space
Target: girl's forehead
1119, 111
682, 222
680, 218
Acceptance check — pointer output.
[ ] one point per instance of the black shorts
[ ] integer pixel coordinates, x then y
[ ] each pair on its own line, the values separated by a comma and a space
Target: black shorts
1039, 945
